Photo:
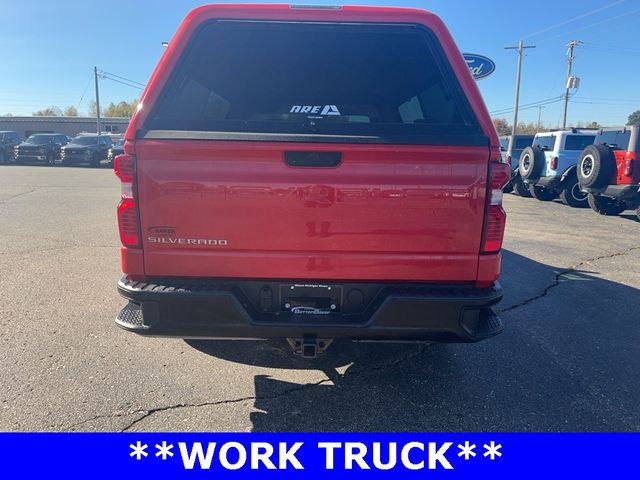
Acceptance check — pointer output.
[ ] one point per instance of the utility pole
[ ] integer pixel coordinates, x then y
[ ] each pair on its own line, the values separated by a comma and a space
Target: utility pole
540, 107
95, 75
570, 57
520, 48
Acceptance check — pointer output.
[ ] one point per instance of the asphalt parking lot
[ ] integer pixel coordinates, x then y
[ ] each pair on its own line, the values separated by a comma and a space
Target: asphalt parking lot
569, 359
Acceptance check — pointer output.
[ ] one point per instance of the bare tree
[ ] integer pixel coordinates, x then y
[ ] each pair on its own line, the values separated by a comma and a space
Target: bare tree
121, 109
51, 111
501, 126
71, 111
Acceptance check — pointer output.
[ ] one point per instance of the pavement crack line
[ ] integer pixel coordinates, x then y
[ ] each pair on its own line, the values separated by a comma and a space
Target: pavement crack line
17, 195
146, 413
562, 273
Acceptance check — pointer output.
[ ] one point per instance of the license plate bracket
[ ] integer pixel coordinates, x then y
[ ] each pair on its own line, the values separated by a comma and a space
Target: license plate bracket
310, 299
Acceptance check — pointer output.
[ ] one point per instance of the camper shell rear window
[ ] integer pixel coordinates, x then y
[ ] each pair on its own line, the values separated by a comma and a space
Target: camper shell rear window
381, 83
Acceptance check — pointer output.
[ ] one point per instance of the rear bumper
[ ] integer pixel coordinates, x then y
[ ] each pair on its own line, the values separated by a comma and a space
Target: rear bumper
241, 309
546, 182
621, 192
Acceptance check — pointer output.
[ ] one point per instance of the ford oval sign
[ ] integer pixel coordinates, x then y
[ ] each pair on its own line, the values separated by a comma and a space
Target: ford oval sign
479, 66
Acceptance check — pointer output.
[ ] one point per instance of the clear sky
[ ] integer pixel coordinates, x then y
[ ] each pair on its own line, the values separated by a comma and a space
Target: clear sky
49, 49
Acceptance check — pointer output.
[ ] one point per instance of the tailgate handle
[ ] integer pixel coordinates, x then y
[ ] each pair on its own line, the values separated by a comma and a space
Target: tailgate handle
312, 159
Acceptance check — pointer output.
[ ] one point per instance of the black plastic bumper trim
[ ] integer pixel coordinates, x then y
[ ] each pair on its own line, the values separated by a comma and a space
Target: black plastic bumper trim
221, 308
622, 192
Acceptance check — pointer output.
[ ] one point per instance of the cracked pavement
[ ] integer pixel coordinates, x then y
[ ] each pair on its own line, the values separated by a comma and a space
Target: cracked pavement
568, 360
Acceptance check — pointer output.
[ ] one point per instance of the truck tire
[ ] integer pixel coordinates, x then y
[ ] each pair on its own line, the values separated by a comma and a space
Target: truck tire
531, 163
605, 205
51, 159
508, 188
571, 194
596, 166
520, 188
542, 194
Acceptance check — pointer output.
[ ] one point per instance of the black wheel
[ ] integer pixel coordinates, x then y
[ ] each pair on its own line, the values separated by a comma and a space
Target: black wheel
95, 162
638, 213
520, 188
571, 194
531, 163
596, 166
542, 194
606, 205
51, 160
508, 188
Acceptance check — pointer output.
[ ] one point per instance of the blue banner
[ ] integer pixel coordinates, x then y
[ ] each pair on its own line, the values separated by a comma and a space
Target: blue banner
354, 456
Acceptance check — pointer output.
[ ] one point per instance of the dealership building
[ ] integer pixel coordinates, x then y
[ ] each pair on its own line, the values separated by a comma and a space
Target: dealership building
69, 126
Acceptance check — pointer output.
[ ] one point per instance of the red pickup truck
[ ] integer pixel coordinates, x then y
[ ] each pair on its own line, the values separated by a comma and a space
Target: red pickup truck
311, 173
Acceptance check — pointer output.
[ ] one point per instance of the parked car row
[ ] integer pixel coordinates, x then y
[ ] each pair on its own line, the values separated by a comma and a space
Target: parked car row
56, 148
584, 168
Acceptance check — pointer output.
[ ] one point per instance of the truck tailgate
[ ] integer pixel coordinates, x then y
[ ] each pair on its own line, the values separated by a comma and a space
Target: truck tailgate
385, 212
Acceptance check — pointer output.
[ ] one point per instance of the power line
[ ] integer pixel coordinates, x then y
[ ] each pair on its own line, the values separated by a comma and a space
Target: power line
573, 19
526, 106
123, 83
615, 47
628, 104
600, 22
613, 51
582, 97
85, 91
531, 106
121, 78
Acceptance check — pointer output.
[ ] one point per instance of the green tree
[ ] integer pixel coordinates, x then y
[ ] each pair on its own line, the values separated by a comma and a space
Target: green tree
70, 111
51, 111
634, 118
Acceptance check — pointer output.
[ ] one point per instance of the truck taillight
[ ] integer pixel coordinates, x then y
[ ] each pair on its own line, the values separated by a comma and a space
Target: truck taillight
628, 165
554, 163
495, 216
128, 221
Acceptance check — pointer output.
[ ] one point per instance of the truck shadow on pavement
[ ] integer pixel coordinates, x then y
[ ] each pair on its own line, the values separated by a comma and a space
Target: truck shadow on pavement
567, 361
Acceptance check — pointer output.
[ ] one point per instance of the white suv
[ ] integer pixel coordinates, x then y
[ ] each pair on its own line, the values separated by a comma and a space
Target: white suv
548, 167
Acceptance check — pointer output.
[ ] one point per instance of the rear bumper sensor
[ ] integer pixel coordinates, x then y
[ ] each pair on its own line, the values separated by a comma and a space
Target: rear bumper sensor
243, 309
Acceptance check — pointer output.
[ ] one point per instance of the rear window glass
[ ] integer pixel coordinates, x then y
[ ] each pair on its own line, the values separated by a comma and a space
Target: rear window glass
578, 142
522, 143
546, 142
293, 78
618, 140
